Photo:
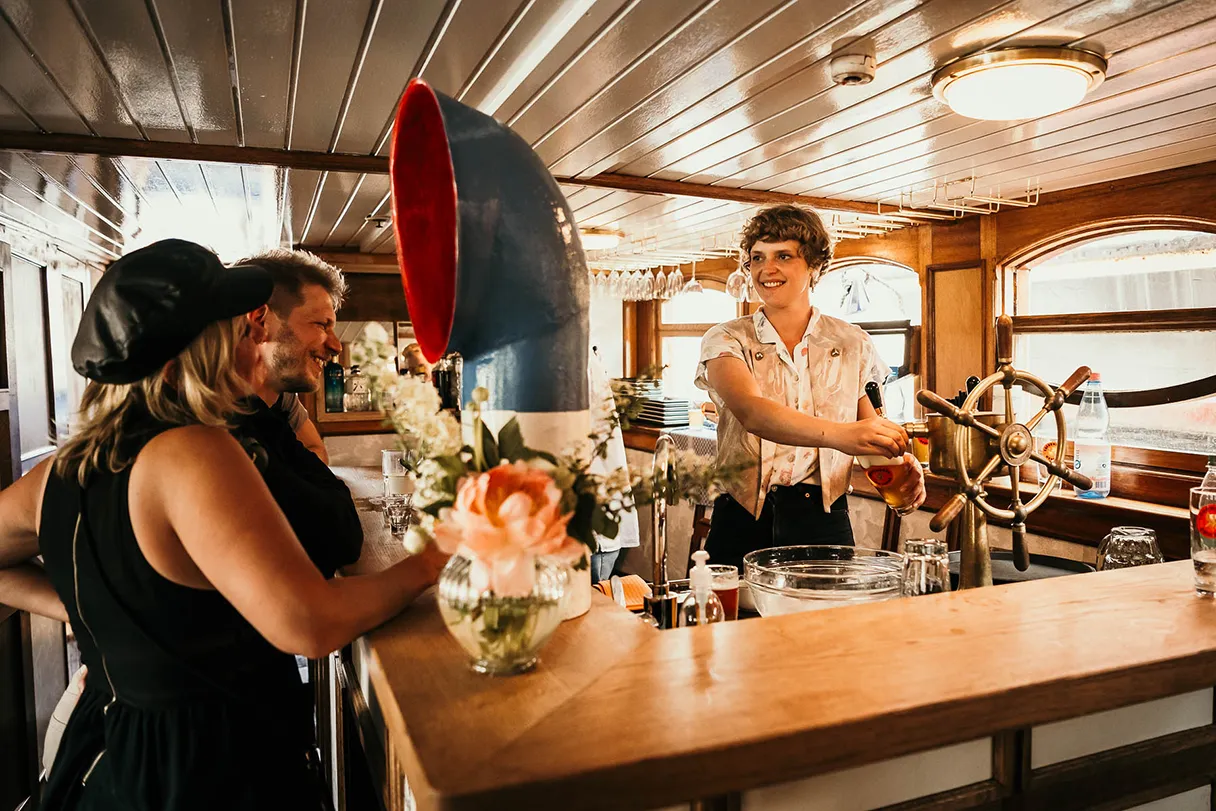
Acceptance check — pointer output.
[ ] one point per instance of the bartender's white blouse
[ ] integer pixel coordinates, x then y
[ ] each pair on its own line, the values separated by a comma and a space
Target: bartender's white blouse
825, 377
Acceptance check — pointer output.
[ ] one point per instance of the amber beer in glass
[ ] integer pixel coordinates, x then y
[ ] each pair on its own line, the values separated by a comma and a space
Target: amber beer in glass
887, 476
726, 586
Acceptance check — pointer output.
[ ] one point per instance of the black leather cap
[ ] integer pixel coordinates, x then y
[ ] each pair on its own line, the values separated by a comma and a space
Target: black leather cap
151, 303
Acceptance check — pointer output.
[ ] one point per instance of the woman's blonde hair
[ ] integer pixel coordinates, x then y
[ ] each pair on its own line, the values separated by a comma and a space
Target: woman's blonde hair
201, 386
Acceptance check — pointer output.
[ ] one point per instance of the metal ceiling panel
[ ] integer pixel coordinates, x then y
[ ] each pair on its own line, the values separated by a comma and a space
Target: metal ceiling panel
810, 106
128, 48
12, 117
398, 44
19, 200
617, 147
336, 189
30, 89
264, 36
302, 188
49, 31
28, 174
329, 62
63, 171
821, 155
572, 28
476, 34
617, 51
365, 203
1148, 70
707, 39
193, 35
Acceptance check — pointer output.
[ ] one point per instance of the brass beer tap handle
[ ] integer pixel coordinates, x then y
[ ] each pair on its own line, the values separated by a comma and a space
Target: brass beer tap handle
1076, 381
1004, 340
948, 512
1074, 478
935, 403
1021, 557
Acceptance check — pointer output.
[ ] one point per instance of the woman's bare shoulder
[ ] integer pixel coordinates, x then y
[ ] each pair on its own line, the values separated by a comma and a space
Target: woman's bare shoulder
190, 445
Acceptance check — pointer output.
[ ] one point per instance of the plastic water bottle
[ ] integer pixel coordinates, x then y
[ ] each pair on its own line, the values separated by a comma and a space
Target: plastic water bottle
1091, 448
1209, 479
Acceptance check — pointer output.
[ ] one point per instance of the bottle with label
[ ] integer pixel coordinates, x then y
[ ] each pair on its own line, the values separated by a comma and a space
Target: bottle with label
1091, 447
335, 387
1209, 478
357, 397
702, 606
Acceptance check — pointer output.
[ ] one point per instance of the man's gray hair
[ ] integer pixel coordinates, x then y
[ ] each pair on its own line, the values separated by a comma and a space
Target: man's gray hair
291, 270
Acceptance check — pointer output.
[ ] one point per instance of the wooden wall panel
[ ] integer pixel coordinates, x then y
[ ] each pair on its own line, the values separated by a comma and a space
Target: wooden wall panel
956, 241
902, 246
1183, 192
956, 327
374, 297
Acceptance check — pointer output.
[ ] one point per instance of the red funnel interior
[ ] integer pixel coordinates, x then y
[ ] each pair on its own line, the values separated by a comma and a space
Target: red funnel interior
424, 216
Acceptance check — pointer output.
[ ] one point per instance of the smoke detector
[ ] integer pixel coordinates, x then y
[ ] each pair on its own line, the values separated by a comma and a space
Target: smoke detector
852, 69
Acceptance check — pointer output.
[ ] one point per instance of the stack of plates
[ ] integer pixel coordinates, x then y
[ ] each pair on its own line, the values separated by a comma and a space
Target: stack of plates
666, 412
638, 387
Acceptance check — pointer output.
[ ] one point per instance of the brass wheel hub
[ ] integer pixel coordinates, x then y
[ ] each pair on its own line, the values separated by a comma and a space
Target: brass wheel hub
1017, 443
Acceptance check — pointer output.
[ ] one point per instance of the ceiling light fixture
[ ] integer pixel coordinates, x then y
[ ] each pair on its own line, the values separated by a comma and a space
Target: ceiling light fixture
599, 239
1018, 83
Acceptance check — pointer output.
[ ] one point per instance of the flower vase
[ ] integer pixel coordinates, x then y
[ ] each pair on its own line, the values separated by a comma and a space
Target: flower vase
577, 600
502, 634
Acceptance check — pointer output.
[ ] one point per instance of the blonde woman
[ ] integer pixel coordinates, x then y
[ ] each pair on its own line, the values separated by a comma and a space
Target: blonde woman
184, 584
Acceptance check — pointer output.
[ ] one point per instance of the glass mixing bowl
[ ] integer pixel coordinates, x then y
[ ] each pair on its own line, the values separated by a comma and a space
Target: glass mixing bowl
786, 579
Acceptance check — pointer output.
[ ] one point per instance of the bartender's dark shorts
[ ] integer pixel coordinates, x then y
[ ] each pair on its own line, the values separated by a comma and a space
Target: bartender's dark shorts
792, 516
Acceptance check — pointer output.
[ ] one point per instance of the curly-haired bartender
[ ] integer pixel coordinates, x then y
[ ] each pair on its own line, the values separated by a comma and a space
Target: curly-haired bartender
789, 384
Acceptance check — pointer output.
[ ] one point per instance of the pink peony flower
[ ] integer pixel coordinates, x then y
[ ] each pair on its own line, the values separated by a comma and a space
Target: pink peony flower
503, 520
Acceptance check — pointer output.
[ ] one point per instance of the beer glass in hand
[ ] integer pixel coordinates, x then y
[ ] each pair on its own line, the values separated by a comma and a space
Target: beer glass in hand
888, 477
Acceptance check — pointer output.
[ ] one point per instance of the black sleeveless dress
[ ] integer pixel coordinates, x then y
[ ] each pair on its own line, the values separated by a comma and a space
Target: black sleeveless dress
186, 706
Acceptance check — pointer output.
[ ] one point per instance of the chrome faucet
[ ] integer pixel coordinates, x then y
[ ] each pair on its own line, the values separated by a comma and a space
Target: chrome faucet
659, 605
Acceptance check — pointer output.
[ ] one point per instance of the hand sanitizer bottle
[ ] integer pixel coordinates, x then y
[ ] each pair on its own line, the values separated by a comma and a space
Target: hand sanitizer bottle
702, 606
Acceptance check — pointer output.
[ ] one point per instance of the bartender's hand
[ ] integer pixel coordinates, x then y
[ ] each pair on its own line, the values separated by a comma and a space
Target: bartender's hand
913, 488
874, 436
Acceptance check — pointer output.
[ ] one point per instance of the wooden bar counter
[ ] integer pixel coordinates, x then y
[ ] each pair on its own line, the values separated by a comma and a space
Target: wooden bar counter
950, 701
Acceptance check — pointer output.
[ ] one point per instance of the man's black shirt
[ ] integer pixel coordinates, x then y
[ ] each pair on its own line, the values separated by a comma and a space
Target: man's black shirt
318, 505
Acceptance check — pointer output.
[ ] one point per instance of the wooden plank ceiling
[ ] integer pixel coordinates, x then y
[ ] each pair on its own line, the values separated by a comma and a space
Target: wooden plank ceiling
727, 93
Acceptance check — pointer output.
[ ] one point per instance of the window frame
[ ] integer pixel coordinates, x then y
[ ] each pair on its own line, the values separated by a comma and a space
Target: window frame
1159, 476
663, 330
912, 332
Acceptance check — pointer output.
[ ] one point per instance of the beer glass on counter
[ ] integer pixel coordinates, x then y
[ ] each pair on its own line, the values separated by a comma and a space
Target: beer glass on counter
726, 586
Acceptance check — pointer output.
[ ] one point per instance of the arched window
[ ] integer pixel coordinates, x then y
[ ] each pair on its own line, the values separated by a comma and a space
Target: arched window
884, 299
682, 322
1137, 305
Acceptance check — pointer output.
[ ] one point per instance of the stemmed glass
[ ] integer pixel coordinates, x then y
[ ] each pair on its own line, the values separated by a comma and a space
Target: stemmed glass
675, 282
693, 285
648, 289
736, 285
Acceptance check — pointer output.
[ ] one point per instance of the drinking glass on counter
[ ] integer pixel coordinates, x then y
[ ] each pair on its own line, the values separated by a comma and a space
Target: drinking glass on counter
1203, 540
396, 478
726, 586
397, 509
926, 567
1125, 547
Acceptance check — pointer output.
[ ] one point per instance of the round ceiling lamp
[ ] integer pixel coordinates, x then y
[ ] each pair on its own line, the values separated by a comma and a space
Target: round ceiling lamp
599, 239
1018, 83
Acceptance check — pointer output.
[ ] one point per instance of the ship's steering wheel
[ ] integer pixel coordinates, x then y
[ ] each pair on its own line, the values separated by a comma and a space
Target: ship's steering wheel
1014, 441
